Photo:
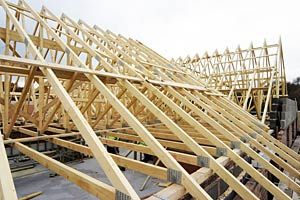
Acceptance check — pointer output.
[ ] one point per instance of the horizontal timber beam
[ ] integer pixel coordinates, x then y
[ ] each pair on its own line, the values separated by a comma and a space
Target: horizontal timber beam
91, 185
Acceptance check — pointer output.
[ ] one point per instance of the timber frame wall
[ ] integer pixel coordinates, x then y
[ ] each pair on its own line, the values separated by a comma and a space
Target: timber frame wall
251, 77
82, 82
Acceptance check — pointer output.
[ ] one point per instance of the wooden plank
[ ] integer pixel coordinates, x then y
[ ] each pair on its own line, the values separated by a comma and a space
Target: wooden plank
26, 131
267, 102
145, 168
7, 190
41, 102
91, 185
6, 105
59, 69
181, 157
31, 196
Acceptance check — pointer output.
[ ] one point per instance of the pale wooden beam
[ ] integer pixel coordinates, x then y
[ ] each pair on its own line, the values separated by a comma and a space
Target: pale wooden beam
7, 190
91, 185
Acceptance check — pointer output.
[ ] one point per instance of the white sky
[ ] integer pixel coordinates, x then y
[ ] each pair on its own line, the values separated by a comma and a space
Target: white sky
176, 28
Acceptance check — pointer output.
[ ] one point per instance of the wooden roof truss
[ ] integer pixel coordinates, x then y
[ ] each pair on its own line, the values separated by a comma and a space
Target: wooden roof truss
81, 81
251, 77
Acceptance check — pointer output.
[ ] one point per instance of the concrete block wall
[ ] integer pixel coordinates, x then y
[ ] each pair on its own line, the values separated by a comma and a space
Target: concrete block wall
298, 121
284, 119
289, 112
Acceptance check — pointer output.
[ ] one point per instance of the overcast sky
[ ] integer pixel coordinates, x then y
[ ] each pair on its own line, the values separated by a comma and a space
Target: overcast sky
176, 28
